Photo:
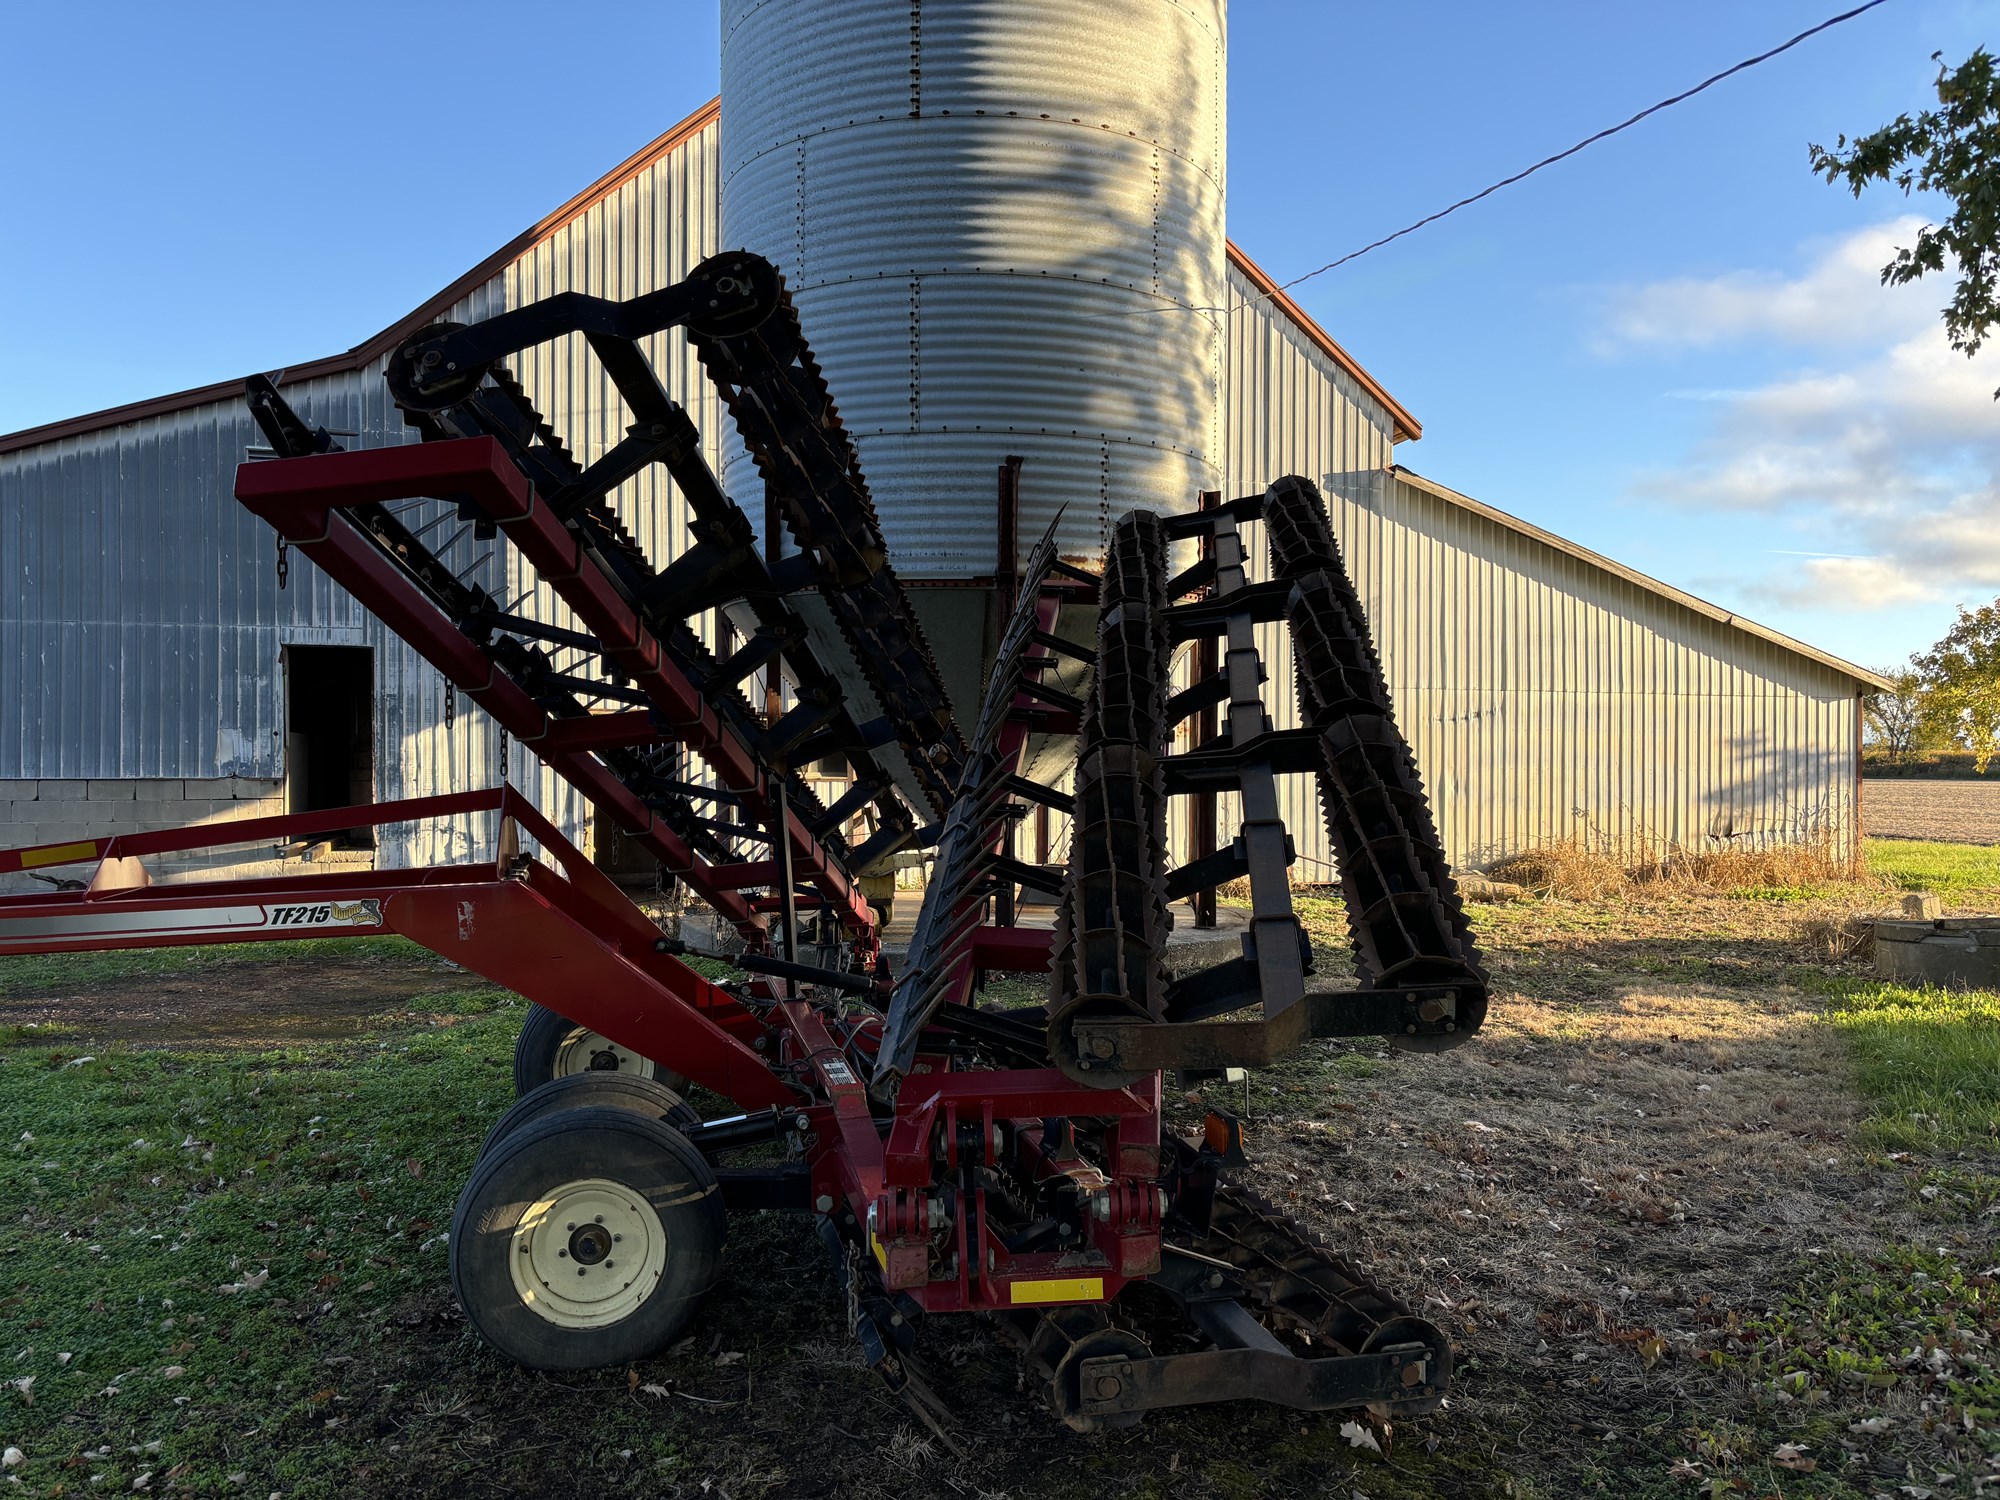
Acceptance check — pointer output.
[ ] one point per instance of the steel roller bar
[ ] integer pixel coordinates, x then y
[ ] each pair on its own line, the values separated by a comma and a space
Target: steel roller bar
941, 962
1111, 928
1407, 923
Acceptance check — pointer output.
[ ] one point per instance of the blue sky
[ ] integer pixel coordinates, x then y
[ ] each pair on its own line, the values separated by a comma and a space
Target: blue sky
1671, 348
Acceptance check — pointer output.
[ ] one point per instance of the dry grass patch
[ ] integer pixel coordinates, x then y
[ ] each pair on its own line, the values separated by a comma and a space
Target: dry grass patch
1577, 870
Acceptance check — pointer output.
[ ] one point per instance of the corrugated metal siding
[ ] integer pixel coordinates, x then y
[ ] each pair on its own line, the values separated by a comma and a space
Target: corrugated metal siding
1549, 699
1002, 222
141, 625
1545, 698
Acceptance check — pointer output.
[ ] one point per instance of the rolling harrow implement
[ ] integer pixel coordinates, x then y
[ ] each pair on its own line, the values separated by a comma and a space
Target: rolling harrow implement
958, 1151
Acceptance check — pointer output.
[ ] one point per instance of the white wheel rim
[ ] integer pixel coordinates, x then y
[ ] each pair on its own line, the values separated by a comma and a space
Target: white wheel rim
587, 1254
585, 1051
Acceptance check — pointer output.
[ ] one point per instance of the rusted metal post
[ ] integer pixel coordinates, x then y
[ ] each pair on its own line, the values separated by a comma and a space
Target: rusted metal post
1007, 585
1201, 806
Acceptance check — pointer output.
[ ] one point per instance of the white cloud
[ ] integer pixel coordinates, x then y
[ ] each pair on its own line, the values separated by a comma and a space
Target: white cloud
1886, 452
1838, 299
1850, 582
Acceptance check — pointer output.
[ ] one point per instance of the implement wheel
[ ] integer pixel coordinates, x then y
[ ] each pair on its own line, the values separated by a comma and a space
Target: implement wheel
552, 1046
629, 1091
586, 1239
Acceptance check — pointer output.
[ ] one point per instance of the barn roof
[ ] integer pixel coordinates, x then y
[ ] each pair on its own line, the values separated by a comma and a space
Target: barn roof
364, 354
1862, 676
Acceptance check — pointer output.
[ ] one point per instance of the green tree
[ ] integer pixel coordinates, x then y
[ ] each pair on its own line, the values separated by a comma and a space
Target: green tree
1895, 718
1953, 150
1961, 684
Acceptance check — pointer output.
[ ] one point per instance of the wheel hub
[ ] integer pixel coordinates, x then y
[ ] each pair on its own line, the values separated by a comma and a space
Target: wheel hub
587, 1253
586, 1051
589, 1244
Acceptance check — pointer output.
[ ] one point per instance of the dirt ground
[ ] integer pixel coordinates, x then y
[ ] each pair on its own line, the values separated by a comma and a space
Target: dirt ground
1955, 812
1598, 1198
247, 1002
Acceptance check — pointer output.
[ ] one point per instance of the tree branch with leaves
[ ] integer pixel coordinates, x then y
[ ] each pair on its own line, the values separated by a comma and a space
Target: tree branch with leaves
1953, 150
1961, 683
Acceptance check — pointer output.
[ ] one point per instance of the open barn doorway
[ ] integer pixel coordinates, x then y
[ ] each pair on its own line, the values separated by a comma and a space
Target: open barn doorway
330, 733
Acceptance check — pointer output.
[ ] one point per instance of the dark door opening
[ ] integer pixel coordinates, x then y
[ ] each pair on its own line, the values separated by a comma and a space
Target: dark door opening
330, 733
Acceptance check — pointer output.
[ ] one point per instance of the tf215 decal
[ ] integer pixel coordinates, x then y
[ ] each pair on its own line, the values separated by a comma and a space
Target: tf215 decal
328, 914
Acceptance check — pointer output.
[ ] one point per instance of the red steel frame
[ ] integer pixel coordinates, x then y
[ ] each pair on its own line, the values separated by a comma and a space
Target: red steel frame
566, 938
303, 498
563, 935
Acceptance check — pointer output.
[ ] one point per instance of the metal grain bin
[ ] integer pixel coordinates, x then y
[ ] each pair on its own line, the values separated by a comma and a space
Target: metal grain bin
1003, 223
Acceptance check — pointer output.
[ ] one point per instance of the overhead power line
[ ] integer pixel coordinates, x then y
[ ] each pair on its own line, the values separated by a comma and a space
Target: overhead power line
1549, 161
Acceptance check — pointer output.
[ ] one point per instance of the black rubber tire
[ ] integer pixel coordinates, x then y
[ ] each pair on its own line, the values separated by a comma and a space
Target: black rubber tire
642, 1096
540, 1043
648, 1158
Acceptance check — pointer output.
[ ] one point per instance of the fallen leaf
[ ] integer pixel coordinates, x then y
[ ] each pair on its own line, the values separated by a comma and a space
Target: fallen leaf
1651, 1348
654, 1388
728, 1357
1683, 1468
1360, 1437
1793, 1456
414, 1167
13, 1458
174, 1372
248, 1283
1870, 1426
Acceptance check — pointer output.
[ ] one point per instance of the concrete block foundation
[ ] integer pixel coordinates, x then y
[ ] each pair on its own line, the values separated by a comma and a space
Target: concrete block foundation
60, 811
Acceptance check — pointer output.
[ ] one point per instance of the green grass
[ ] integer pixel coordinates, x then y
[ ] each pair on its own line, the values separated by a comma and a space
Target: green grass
1928, 1060
1780, 893
28, 973
141, 1184
1911, 1318
1948, 869
469, 1002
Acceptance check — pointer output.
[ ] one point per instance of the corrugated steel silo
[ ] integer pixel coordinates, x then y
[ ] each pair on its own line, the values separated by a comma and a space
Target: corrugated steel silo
1002, 221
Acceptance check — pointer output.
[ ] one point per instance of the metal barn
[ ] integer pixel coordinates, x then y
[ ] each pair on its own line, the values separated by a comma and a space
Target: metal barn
153, 671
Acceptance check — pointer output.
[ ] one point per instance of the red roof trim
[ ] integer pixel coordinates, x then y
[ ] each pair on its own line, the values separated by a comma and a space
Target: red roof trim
1407, 427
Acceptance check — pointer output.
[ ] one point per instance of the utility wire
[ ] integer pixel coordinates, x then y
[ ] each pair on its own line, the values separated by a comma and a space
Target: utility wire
1549, 161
